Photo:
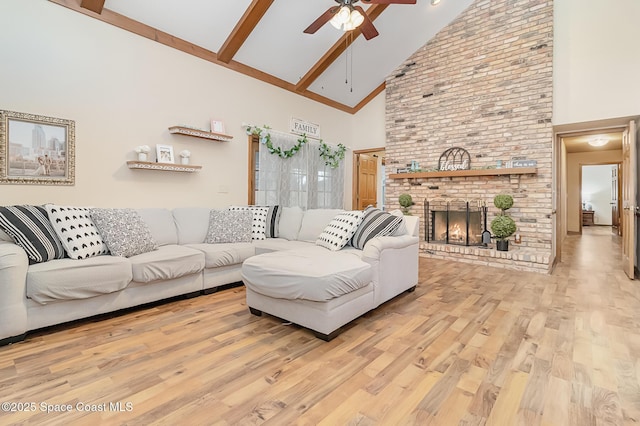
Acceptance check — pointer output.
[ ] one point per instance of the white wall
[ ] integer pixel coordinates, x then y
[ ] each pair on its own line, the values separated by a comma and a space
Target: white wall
595, 60
574, 163
596, 191
123, 90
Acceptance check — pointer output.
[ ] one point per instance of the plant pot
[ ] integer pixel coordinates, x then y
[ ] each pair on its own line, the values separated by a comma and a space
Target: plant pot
142, 156
185, 160
502, 245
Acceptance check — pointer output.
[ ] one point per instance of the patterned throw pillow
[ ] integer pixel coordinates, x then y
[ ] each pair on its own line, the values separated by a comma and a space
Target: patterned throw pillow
124, 231
273, 222
229, 226
77, 232
259, 224
30, 228
340, 230
375, 223
402, 229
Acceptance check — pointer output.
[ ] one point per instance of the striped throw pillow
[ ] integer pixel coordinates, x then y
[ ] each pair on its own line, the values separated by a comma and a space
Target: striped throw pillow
376, 223
273, 222
30, 228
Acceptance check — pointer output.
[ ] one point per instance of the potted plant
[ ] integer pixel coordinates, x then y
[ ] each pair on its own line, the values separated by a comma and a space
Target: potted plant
142, 151
184, 155
502, 225
405, 201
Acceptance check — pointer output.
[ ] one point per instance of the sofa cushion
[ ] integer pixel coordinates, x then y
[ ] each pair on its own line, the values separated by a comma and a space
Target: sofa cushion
312, 273
167, 262
259, 223
224, 254
68, 279
76, 230
375, 223
277, 244
30, 228
314, 222
290, 221
229, 226
192, 224
340, 230
161, 225
124, 231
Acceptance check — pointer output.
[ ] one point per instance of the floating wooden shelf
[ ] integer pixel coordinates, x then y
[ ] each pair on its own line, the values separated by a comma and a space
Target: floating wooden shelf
165, 167
188, 131
464, 173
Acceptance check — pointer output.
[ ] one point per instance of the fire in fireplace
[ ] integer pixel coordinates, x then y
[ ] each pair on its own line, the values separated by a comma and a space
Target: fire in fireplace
451, 222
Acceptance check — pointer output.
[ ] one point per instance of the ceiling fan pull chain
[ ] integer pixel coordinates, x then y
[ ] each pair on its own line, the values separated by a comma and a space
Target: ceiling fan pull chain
346, 62
351, 60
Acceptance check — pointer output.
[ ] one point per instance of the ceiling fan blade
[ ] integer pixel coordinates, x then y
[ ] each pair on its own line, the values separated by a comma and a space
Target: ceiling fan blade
389, 1
367, 28
323, 19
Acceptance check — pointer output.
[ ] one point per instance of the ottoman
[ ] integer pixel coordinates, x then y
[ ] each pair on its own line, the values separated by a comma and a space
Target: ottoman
313, 287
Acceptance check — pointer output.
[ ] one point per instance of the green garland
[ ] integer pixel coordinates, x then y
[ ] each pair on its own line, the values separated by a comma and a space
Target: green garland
332, 158
266, 140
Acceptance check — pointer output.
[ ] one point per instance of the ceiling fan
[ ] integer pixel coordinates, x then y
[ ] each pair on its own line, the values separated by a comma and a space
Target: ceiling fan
347, 17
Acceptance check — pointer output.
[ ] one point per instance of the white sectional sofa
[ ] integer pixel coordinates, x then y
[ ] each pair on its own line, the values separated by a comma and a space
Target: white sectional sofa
44, 294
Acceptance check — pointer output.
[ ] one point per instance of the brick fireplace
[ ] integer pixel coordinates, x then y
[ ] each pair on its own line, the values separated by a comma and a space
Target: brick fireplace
483, 84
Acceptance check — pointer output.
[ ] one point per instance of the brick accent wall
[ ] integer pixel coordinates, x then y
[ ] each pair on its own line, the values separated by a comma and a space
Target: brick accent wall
484, 83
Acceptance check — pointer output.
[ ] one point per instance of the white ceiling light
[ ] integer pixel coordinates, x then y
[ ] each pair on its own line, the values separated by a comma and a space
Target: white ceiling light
599, 141
347, 18
434, 2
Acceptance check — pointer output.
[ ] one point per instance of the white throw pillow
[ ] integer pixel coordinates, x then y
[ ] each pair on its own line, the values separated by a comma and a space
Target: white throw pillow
314, 222
76, 230
340, 230
290, 221
259, 224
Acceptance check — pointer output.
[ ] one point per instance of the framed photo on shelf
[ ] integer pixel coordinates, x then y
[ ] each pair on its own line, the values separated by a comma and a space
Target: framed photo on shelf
164, 154
36, 150
217, 126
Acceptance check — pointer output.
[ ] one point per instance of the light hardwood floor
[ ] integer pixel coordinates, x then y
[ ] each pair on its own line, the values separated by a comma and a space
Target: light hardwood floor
472, 345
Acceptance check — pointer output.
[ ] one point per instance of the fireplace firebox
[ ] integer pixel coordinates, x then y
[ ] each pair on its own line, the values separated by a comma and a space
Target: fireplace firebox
454, 222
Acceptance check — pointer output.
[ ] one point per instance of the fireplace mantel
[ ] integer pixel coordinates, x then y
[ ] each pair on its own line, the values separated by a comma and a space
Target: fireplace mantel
464, 173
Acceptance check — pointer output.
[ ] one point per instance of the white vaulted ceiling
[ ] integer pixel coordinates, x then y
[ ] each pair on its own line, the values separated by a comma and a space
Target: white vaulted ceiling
276, 50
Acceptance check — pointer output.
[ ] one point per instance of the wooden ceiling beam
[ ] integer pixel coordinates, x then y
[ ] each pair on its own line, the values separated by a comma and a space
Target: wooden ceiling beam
336, 50
156, 35
93, 5
243, 29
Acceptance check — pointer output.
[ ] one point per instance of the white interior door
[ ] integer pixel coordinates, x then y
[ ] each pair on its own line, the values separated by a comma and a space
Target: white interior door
629, 199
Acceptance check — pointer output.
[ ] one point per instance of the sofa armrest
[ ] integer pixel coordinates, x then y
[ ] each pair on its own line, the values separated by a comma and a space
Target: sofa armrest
394, 262
374, 247
13, 281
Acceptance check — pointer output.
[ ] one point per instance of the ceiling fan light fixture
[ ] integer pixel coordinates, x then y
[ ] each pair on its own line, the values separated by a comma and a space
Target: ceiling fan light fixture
347, 19
341, 17
356, 18
599, 141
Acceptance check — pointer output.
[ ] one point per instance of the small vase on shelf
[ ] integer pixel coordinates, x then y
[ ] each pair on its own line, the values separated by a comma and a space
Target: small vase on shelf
142, 156
184, 156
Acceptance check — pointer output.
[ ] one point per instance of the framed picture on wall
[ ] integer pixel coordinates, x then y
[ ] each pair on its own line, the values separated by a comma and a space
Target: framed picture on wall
164, 154
36, 150
217, 126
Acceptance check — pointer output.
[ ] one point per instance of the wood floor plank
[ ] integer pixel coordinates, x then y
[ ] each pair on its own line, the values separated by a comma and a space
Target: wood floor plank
473, 345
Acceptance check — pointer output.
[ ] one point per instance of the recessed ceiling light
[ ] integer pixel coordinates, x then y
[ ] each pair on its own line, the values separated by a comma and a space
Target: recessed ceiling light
434, 2
599, 141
